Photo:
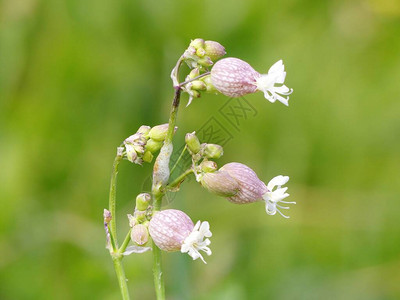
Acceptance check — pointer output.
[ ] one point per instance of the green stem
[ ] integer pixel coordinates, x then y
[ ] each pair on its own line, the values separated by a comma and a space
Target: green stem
159, 191
179, 179
112, 199
126, 242
119, 270
158, 274
179, 159
116, 257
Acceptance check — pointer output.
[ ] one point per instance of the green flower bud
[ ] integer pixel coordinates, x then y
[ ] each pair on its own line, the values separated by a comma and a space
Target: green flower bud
144, 129
143, 201
159, 132
200, 52
197, 43
153, 146
194, 73
147, 157
220, 183
192, 142
140, 234
210, 88
205, 61
140, 216
198, 85
213, 151
208, 166
214, 50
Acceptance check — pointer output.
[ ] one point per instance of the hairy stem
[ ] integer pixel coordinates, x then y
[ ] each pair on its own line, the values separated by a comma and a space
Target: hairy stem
117, 257
112, 199
158, 274
119, 270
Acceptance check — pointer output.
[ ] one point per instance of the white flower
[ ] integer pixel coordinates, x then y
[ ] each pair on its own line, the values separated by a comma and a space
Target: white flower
266, 83
272, 198
196, 242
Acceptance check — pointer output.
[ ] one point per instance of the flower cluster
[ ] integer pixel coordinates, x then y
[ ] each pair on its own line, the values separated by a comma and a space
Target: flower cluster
141, 146
173, 230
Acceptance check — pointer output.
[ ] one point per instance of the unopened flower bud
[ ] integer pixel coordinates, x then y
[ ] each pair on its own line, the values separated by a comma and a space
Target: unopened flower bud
198, 85
153, 146
220, 183
147, 157
213, 151
234, 77
210, 88
214, 50
208, 166
131, 154
143, 201
200, 52
197, 43
144, 129
159, 132
140, 234
205, 61
193, 74
172, 230
192, 142
107, 216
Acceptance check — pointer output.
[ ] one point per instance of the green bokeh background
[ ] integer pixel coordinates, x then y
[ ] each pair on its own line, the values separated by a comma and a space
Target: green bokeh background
77, 77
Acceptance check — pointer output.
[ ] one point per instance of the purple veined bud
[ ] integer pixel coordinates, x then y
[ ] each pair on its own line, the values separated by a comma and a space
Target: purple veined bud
251, 188
140, 234
214, 50
173, 230
234, 77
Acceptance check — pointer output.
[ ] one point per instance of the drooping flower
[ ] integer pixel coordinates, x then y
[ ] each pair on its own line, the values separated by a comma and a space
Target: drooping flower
173, 230
273, 197
234, 77
240, 185
251, 188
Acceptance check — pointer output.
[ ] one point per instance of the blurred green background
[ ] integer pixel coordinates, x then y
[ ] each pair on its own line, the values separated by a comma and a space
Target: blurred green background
77, 77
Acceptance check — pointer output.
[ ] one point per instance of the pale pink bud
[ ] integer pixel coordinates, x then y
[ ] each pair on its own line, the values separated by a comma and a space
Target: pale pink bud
140, 234
251, 188
234, 77
214, 50
169, 228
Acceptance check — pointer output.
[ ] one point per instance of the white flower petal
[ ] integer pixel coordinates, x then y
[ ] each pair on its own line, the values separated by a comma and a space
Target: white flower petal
273, 197
272, 84
198, 241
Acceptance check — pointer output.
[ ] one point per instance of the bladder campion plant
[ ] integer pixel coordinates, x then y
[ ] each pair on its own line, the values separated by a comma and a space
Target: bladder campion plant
172, 230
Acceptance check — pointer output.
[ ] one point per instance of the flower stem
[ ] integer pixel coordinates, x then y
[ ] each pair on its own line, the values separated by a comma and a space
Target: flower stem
119, 270
158, 274
178, 160
116, 256
179, 179
195, 78
112, 199
126, 242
